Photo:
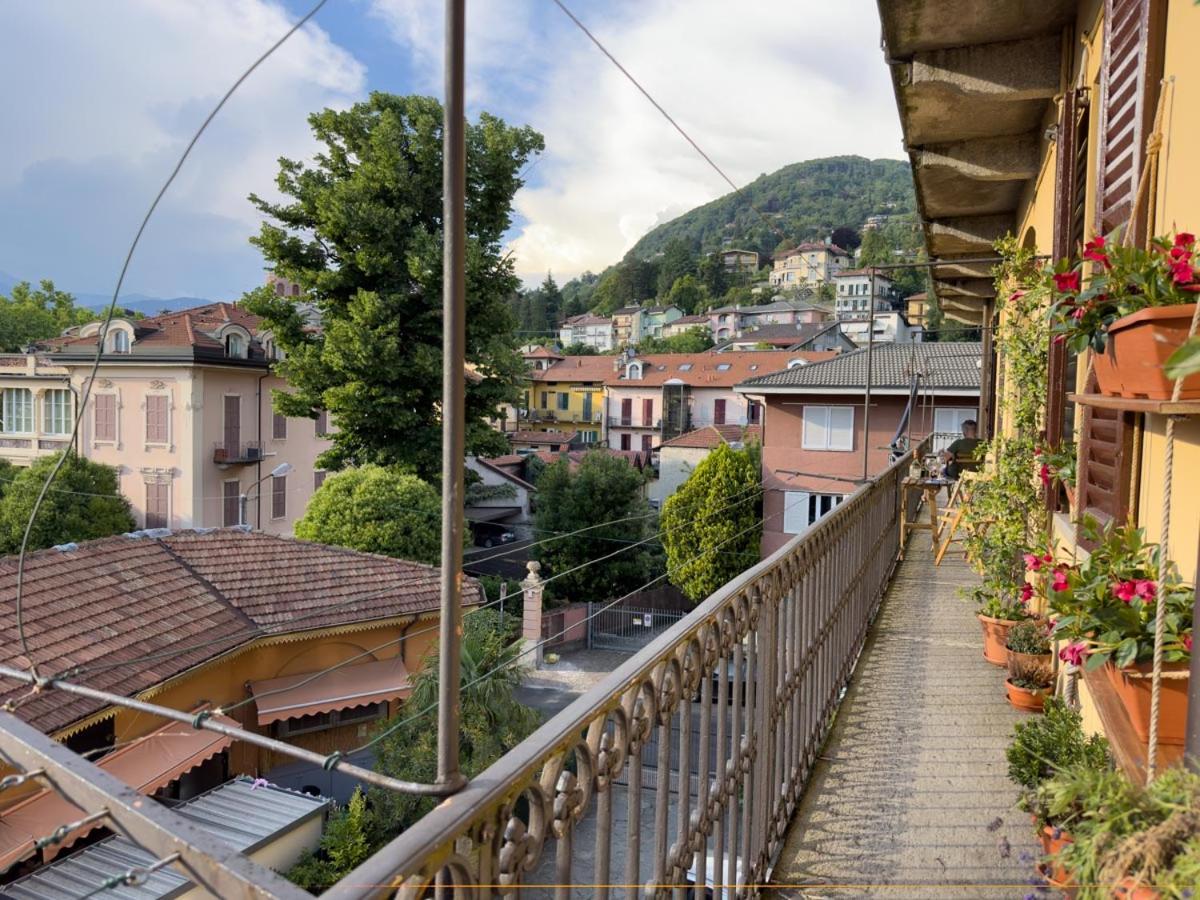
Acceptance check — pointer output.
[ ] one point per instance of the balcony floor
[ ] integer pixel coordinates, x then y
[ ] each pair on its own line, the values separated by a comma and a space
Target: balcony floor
910, 798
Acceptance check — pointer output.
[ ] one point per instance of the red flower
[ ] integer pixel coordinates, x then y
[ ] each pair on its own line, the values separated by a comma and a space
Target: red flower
1044, 474
1061, 338
1181, 272
1067, 282
1178, 253
1094, 250
1146, 589
1187, 641
1032, 562
1060, 580
1124, 591
1026, 592
1073, 653
1047, 558
1078, 313
1183, 239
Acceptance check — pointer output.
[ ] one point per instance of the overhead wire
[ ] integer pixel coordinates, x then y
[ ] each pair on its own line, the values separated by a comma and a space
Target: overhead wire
108, 317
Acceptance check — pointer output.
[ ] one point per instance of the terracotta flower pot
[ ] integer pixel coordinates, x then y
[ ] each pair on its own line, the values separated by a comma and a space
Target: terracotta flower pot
1030, 665
1024, 698
1057, 879
1135, 696
1128, 889
1053, 871
995, 635
1138, 345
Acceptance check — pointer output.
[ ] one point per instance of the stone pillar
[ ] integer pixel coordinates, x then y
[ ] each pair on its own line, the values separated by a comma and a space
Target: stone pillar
531, 619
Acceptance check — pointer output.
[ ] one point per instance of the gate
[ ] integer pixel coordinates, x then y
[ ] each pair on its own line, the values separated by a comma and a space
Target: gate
627, 628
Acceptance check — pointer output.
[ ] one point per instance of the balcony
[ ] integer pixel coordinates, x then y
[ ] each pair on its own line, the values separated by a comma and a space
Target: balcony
236, 454
633, 422
714, 754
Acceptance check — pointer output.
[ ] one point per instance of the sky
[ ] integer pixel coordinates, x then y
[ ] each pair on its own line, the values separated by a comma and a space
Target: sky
102, 98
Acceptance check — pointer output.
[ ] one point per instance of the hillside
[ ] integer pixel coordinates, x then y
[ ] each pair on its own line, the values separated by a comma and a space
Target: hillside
802, 201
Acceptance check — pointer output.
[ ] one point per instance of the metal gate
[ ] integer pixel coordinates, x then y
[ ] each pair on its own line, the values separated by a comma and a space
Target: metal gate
627, 628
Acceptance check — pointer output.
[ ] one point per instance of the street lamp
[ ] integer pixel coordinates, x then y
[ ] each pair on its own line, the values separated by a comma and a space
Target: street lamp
277, 472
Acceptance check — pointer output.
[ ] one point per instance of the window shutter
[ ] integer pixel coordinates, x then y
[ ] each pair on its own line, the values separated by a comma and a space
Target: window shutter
795, 511
278, 496
156, 505
718, 412
1105, 463
279, 427
841, 428
156, 419
1129, 85
816, 427
648, 412
230, 491
106, 417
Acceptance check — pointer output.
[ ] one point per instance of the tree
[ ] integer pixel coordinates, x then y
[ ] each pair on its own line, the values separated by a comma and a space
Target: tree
676, 262
688, 294
29, 315
637, 280
376, 510
694, 340
875, 249
846, 237
553, 299
713, 275
603, 489
83, 503
361, 230
348, 840
712, 525
579, 350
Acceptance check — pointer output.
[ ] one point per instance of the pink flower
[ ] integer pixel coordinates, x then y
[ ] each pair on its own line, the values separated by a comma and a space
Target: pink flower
1067, 282
1073, 653
1146, 589
1033, 562
259, 783
1183, 239
1044, 474
1060, 338
1016, 295
1094, 250
1181, 272
1078, 313
1060, 580
1125, 591
1047, 558
1026, 592
1187, 640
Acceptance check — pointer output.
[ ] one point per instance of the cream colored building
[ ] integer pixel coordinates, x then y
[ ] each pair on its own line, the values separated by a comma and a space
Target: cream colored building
181, 407
808, 264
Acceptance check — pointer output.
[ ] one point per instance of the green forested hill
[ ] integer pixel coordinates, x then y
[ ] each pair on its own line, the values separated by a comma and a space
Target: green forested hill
803, 201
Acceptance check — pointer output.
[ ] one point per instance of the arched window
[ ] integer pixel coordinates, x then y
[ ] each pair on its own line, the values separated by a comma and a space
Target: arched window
235, 346
295, 290
633, 371
794, 363
280, 287
119, 341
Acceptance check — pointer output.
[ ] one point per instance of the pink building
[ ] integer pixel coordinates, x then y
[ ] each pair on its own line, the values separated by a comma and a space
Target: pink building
181, 407
656, 397
813, 423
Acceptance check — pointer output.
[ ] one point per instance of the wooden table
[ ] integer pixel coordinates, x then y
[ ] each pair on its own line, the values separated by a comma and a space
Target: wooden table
929, 488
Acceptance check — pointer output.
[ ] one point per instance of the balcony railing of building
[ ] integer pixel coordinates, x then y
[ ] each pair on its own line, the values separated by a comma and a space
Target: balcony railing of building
633, 422
687, 762
232, 454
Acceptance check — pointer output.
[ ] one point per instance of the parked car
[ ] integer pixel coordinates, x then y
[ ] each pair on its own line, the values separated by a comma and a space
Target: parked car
490, 534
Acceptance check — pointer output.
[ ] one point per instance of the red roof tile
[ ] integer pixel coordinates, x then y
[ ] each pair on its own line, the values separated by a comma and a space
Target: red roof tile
542, 437
578, 368
714, 435
712, 370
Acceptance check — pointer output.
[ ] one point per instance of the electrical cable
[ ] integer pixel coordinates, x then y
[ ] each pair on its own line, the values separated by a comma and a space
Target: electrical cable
108, 317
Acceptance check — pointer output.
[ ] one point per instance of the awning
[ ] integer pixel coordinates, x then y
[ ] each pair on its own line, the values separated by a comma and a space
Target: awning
345, 688
148, 764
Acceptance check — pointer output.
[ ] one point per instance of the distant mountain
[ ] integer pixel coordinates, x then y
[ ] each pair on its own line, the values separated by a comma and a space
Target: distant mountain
6, 282
803, 201
146, 305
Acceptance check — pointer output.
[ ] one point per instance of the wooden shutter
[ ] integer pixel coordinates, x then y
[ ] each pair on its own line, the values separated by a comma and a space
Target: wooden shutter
627, 411
278, 496
156, 505
648, 412
279, 427
233, 425
106, 417
1129, 84
718, 412
1105, 462
156, 419
230, 492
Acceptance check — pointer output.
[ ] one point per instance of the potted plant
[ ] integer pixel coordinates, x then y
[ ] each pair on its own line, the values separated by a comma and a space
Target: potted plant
999, 610
1057, 467
1133, 307
1030, 664
1107, 607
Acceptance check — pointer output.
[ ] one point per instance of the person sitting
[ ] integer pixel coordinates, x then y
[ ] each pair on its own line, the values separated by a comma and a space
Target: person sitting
960, 455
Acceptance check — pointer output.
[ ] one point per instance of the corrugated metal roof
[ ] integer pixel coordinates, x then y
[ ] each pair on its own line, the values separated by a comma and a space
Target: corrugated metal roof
242, 817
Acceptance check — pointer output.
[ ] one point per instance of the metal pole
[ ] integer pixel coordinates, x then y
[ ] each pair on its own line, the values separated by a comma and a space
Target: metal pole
986, 376
454, 188
867, 399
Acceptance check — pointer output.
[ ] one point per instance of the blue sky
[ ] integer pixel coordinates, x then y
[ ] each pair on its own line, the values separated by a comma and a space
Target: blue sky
109, 92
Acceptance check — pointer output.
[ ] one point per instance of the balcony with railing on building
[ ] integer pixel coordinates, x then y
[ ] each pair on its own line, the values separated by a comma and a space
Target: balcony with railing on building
231, 453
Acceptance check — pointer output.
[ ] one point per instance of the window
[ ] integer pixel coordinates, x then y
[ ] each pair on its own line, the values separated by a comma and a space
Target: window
230, 492
648, 412
324, 721
563, 401
156, 505
18, 410
118, 341
588, 437
724, 367
156, 419
106, 417
232, 424
626, 443
545, 400
279, 427
754, 413
947, 425
295, 290
322, 426
235, 346
686, 367
718, 412
801, 509
278, 496
828, 428
647, 442
56, 411
280, 288
319, 479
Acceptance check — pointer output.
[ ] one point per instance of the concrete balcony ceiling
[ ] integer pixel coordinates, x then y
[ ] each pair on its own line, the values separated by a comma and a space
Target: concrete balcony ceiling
975, 84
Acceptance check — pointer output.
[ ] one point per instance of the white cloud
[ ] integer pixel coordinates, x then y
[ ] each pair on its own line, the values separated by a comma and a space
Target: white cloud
114, 90
757, 85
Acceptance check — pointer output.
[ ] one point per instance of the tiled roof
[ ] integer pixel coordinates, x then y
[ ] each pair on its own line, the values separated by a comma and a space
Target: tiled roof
860, 273
627, 311
811, 246
784, 334
946, 365
655, 310
542, 353
713, 435
691, 320
577, 368
587, 319
777, 306
709, 370
543, 437
159, 606
921, 295
639, 459
185, 328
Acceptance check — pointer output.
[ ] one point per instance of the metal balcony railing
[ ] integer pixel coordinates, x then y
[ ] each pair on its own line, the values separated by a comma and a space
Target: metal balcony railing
687, 762
633, 422
226, 454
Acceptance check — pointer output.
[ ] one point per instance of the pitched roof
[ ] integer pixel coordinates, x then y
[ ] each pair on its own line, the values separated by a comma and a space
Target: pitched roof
860, 273
952, 366
784, 334
713, 435
708, 369
920, 295
543, 437
639, 459
158, 606
587, 319
690, 320
542, 353
627, 311
187, 328
778, 306
577, 368
810, 246
497, 465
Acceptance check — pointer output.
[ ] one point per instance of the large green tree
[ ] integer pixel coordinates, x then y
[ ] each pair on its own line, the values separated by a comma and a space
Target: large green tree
33, 314
712, 525
376, 510
694, 340
606, 491
361, 230
713, 276
688, 294
676, 261
83, 503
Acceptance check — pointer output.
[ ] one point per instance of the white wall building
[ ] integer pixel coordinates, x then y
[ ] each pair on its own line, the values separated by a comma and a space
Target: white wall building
591, 331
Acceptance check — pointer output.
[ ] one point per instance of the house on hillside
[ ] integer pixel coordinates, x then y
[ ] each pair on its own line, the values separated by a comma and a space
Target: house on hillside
916, 310
501, 497
809, 263
678, 457
532, 441
627, 325
684, 324
813, 441
227, 620
656, 318
888, 327
567, 395
589, 330
780, 312
822, 336
858, 289
739, 261
181, 407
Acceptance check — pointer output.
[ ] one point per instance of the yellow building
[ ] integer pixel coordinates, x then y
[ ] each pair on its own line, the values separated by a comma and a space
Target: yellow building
568, 396
229, 621
917, 306
1040, 122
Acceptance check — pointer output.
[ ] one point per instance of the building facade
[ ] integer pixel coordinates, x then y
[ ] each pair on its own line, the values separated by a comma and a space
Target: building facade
656, 318
678, 457
590, 331
568, 396
627, 325
808, 264
857, 290
740, 261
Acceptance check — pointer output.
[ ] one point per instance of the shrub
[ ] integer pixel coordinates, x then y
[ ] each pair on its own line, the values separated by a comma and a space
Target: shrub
1029, 636
1053, 742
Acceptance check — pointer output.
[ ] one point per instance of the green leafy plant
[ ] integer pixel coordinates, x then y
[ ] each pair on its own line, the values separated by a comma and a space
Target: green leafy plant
1106, 605
1051, 743
1056, 464
1185, 361
1111, 281
1030, 636
345, 843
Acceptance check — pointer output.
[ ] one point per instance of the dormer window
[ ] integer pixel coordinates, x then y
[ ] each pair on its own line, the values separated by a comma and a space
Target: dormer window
118, 341
796, 363
235, 346
633, 371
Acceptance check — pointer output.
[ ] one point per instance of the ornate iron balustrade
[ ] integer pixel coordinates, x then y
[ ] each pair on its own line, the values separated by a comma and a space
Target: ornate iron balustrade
686, 763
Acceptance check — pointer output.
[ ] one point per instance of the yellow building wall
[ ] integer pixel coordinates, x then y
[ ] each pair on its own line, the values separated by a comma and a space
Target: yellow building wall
573, 414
